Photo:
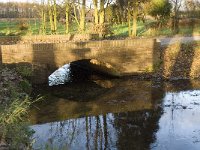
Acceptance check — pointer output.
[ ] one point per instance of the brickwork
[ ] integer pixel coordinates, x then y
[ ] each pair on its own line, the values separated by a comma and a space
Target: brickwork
127, 56
46, 39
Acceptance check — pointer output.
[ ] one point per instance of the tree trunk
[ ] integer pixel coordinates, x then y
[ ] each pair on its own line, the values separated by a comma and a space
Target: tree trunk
102, 12
129, 20
118, 18
175, 22
67, 17
43, 19
55, 15
50, 16
82, 17
135, 12
43, 22
96, 17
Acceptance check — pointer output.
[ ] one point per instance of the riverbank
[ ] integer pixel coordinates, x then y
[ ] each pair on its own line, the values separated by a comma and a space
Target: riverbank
14, 106
180, 61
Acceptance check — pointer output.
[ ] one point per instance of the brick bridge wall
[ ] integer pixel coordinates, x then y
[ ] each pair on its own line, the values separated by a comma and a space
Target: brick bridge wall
7, 40
127, 56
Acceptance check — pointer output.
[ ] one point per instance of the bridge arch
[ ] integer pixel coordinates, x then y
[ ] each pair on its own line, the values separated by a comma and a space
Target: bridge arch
82, 70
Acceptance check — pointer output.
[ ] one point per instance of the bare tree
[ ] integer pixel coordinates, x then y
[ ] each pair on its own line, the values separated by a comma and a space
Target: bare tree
176, 8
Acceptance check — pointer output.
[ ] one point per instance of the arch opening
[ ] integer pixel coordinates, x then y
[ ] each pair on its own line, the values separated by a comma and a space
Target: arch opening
85, 69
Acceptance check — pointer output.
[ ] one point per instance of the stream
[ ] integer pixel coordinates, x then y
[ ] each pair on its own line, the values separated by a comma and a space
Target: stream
118, 114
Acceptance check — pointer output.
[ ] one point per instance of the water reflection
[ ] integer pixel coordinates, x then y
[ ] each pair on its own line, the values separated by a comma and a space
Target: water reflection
179, 125
127, 115
132, 130
93, 98
95, 132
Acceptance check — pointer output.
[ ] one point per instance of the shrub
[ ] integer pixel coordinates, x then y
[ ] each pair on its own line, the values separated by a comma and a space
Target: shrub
160, 9
24, 71
25, 86
102, 29
14, 128
23, 26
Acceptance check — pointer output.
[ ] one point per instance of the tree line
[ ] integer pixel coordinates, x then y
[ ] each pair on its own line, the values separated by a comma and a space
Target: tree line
101, 12
18, 10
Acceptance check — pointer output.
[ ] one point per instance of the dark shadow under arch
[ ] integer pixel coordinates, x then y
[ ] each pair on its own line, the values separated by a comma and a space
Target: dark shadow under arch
85, 69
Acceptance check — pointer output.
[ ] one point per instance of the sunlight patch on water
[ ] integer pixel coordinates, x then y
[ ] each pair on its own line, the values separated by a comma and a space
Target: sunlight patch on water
60, 76
179, 125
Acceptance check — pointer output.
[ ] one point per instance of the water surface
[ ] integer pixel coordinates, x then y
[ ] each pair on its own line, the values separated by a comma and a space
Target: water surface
118, 114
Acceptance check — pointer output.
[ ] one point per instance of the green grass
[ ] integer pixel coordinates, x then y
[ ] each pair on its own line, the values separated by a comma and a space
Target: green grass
144, 30
119, 30
12, 28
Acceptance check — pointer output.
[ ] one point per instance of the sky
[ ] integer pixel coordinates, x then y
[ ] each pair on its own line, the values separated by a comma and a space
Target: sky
35, 0
16, 1
32, 1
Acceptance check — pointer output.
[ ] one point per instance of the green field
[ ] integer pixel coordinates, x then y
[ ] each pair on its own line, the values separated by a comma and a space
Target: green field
11, 28
146, 31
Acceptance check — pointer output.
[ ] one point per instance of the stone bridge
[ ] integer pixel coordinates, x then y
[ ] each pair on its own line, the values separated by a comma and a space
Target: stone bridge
127, 56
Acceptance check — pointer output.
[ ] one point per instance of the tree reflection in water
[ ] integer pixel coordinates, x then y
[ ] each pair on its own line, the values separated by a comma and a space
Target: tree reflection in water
88, 122
127, 114
133, 130
82, 133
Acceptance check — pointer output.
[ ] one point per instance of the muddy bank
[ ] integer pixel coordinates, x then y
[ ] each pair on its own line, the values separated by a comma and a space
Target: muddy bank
9, 83
180, 61
14, 105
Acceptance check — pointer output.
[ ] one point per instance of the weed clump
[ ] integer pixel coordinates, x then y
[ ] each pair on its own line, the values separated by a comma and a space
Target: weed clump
23, 26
